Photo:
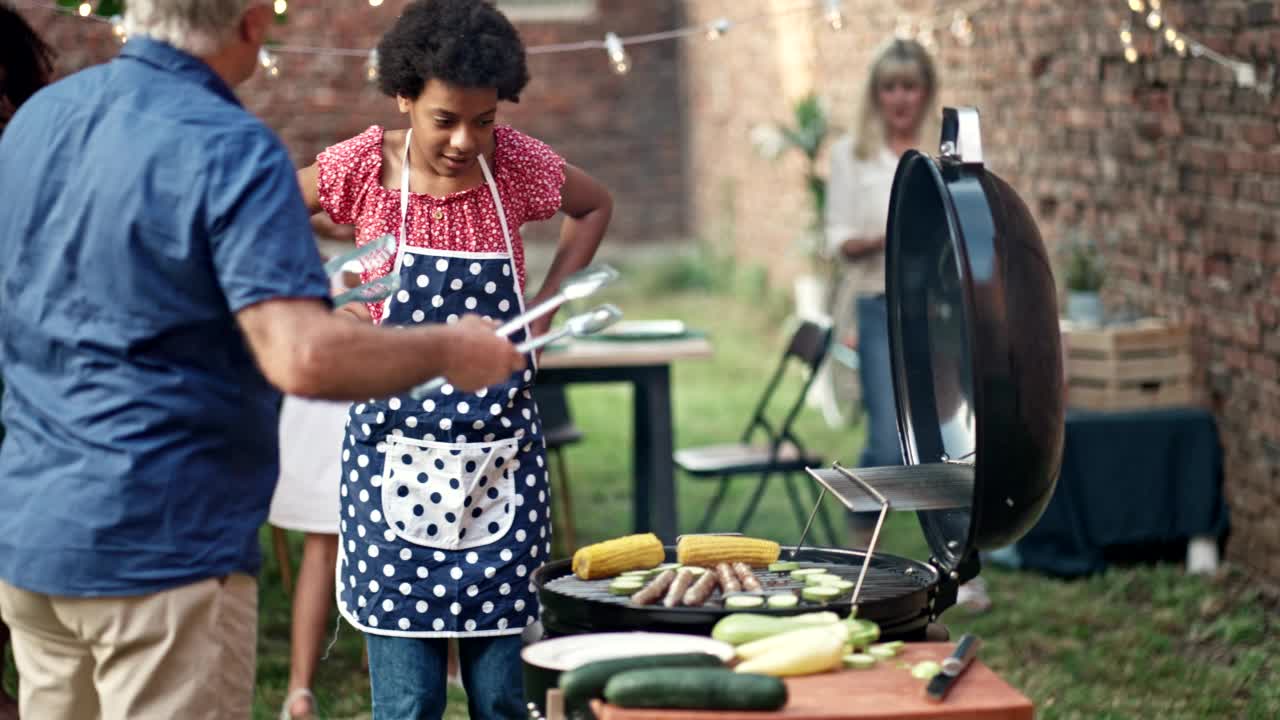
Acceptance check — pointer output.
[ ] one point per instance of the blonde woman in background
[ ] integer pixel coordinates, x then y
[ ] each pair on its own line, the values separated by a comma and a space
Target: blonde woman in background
898, 113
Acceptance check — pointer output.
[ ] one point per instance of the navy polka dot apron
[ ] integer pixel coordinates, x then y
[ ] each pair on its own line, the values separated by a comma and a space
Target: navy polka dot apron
444, 500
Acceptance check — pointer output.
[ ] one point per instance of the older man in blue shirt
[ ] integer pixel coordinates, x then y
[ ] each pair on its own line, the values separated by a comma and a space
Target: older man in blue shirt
160, 287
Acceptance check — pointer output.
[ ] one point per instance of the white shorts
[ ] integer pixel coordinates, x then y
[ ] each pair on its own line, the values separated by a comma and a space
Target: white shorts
306, 497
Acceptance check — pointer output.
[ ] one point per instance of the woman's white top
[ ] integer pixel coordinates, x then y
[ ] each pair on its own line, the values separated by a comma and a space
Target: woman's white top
311, 435
858, 207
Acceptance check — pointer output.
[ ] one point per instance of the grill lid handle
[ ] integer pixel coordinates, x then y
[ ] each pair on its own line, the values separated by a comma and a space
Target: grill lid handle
961, 136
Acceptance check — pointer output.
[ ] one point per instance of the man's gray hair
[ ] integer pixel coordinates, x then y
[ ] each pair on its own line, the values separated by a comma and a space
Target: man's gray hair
199, 27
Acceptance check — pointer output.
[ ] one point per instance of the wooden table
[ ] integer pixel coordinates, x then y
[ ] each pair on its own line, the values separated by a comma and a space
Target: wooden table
886, 692
647, 366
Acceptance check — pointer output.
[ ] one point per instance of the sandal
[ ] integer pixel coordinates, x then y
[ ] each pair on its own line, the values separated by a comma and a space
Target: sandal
293, 697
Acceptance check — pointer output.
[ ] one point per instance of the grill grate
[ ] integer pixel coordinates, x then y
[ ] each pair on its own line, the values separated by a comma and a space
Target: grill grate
886, 580
936, 486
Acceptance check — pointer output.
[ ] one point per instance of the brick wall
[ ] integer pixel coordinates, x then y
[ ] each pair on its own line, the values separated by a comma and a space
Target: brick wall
629, 131
1170, 168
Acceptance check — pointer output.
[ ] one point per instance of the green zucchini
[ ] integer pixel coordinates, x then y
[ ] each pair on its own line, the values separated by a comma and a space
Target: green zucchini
881, 652
820, 593
695, 689
782, 601
741, 628
784, 566
743, 602
587, 682
802, 572
626, 586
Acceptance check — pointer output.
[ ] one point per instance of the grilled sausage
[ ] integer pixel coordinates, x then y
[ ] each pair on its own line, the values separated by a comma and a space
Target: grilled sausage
700, 593
678, 588
748, 579
728, 580
655, 590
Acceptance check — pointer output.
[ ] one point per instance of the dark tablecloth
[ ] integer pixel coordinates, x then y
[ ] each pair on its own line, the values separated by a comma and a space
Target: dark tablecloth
1129, 479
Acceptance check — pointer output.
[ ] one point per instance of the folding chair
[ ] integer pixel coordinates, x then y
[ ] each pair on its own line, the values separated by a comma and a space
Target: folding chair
781, 454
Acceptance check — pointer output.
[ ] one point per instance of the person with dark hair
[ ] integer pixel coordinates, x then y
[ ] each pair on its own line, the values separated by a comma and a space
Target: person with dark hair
26, 65
444, 498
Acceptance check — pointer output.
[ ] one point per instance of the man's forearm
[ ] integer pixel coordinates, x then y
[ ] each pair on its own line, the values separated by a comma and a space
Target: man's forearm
345, 360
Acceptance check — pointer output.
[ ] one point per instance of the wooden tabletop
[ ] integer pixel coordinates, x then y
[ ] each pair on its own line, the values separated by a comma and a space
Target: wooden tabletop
886, 692
618, 353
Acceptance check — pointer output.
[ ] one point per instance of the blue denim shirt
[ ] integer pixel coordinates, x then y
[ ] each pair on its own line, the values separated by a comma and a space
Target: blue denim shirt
142, 208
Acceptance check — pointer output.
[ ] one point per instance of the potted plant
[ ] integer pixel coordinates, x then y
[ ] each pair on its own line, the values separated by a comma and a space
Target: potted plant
807, 133
1084, 277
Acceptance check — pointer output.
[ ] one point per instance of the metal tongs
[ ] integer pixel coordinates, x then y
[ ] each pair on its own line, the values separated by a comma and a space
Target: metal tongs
875, 534
582, 284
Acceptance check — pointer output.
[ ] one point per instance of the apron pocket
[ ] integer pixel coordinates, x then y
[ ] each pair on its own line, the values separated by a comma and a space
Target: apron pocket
449, 496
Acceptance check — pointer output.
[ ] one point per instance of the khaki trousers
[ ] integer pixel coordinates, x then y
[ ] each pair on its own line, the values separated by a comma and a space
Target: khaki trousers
183, 653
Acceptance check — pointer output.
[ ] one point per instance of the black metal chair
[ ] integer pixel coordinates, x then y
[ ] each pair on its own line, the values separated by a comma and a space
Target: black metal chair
781, 453
559, 432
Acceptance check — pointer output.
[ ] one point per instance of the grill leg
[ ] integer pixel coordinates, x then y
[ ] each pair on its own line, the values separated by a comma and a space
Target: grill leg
714, 505
756, 497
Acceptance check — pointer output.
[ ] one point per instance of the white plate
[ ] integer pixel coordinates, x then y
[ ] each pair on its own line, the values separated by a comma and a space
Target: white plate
569, 652
646, 329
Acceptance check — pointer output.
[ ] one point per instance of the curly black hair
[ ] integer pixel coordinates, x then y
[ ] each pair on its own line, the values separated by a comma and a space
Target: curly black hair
468, 43
26, 60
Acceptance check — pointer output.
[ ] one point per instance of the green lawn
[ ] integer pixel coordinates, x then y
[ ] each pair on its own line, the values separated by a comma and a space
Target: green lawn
1133, 643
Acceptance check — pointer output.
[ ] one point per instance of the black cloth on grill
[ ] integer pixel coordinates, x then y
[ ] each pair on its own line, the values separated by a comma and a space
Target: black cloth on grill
1131, 479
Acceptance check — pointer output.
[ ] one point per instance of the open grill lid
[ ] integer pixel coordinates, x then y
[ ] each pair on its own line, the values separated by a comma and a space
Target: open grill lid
975, 346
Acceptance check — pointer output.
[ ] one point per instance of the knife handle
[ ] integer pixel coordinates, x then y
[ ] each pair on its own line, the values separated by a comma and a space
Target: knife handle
964, 653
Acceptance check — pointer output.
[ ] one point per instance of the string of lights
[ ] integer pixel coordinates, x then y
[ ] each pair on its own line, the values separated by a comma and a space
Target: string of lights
613, 45
1151, 14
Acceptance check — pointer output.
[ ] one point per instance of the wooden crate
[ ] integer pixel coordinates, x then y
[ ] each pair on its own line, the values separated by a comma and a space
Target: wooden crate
1145, 364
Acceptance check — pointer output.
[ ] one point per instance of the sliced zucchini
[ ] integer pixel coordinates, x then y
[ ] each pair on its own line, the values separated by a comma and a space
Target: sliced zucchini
820, 593
881, 652
784, 566
626, 586
743, 602
802, 572
926, 670
860, 661
782, 601
667, 566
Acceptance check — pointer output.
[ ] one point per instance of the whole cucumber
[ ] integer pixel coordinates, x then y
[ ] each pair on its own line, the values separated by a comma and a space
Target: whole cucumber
587, 682
695, 689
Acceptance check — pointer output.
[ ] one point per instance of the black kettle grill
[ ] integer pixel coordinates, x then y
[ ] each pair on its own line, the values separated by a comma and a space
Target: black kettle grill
977, 372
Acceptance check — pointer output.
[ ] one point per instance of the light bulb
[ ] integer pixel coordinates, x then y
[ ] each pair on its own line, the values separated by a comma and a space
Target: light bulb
1181, 46
371, 67
1170, 35
281, 7
85, 9
1126, 35
617, 54
834, 16
1154, 21
117, 29
375, 3
717, 29
1137, 6
1131, 55
269, 62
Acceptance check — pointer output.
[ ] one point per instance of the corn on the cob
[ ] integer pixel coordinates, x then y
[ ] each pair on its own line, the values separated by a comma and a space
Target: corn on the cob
708, 550
613, 557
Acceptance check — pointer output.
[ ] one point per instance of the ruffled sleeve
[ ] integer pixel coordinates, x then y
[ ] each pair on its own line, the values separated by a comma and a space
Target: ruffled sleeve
346, 171
533, 174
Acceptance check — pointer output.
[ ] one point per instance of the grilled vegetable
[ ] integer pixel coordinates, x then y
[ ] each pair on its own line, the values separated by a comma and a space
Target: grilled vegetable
889, 648
765, 646
784, 566
585, 682
708, 550
880, 652
728, 579
803, 652
748, 579
742, 628
820, 593
782, 600
654, 591
859, 661
695, 689
743, 602
626, 586
613, 557
700, 592
834, 581
802, 572
679, 586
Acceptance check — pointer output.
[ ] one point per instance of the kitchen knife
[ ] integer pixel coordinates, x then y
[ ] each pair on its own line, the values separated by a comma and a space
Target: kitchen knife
952, 668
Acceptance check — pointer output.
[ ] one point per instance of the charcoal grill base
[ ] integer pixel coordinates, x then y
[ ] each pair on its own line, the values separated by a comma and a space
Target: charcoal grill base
899, 594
